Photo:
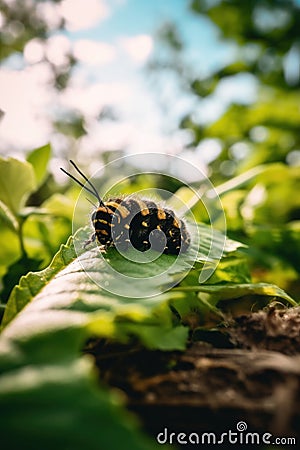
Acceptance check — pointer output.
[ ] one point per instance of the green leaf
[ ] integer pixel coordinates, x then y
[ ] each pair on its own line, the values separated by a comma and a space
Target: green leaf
10, 248
232, 269
50, 395
17, 181
207, 305
216, 293
7, 217
79, 280
15, 271
31, 284
59, 205
39, 158
60, 406
75, 284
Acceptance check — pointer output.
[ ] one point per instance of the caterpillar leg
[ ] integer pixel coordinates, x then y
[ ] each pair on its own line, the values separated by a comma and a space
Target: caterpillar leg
92, 239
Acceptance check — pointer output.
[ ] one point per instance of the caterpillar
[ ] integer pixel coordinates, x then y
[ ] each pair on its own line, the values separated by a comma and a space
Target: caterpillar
133, 221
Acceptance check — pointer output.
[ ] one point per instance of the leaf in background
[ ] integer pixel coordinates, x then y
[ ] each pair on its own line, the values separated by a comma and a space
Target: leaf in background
10, 248
7, 217
216, 293
205, 305
60, 407
50, 395
31, 284
14, 273
60, 205
231, 269
271, 200
39, 158
17, 181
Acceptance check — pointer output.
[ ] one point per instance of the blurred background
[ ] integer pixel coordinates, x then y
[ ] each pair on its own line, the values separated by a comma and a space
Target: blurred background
214, 81
96, 75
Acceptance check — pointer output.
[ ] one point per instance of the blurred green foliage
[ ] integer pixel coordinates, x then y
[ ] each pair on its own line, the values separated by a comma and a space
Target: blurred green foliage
263, 211
36, 22
37, 214
35, 219
265, 34
25, 21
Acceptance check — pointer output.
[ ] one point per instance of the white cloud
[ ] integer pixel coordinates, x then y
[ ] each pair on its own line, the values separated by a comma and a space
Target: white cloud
34, 51
58, 47
24, 101
92, 98
238, 88
93, 53
83, 14
138, 47
49, 12
208, 149
108, 136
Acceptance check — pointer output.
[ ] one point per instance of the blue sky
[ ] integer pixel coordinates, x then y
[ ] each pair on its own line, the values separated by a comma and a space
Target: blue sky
133, 17
136, 17
113, 40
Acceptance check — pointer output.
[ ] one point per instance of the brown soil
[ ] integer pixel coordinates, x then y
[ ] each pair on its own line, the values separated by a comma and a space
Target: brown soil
249, 371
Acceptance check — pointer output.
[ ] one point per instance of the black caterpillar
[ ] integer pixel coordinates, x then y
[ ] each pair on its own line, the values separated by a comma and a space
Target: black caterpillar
122, 222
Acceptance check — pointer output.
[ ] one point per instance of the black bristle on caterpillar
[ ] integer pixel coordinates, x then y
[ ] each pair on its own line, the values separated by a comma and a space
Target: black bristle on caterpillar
142, 223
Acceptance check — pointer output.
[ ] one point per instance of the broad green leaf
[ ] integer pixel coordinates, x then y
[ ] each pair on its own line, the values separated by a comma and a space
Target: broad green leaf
17, 181
80, 278
61, 406
79, 283
60, 205
39, 158
206, 305
50, 395
216, 293
75, 284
